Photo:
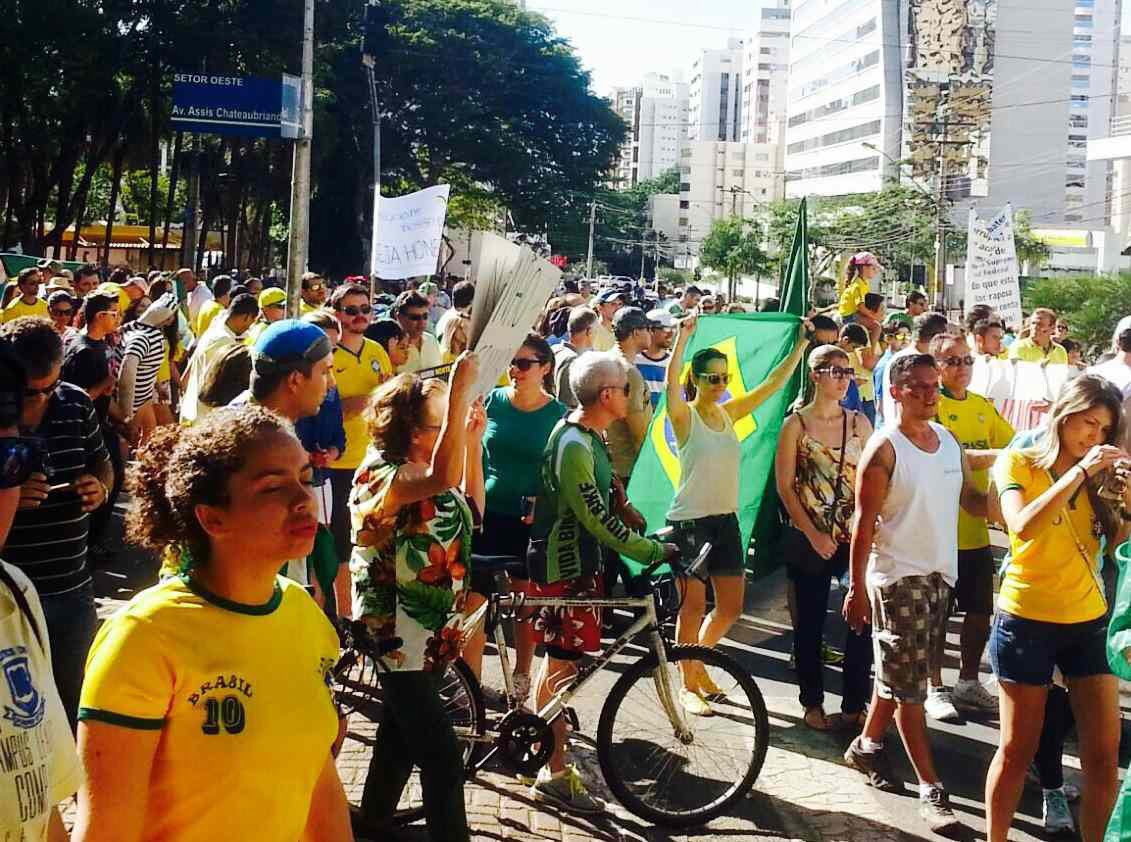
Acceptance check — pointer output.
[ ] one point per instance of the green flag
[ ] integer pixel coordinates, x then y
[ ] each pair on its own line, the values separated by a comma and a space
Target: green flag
795, 293
754, 344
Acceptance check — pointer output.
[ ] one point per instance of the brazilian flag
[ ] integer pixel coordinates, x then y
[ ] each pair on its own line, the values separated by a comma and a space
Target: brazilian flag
753, 344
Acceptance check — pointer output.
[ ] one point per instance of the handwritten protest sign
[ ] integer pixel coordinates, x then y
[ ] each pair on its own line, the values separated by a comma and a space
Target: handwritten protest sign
1021, 391
408, 232
991, 266
514, 285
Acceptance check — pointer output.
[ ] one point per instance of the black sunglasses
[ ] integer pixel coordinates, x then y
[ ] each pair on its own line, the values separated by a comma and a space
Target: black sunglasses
954, 362
19, 458
415, 317
45, 392
526, 364
363, 310
59, 312
836, 372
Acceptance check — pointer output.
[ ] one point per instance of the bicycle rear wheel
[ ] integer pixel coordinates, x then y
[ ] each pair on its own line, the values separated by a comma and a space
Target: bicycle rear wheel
673, 779
359, 698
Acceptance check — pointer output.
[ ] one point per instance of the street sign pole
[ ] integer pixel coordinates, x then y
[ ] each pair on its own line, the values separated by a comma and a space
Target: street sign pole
299, 235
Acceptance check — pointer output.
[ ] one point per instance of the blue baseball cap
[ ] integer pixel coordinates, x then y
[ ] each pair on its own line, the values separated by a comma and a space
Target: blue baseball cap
289, 342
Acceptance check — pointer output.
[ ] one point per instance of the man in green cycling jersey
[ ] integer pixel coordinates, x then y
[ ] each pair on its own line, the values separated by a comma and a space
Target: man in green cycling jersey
574, 527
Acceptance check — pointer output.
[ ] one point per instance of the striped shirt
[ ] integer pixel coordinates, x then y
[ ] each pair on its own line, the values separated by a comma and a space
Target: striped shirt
48, 543
148, 345
654, 372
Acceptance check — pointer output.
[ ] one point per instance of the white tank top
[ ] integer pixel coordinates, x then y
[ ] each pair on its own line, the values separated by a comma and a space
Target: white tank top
918, 530
708, 462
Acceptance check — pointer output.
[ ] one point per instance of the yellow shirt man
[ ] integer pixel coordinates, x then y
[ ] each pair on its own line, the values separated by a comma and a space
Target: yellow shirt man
18, 309
208, 311
1028, 351
1054, 576
240, 695
977, 425
357, 375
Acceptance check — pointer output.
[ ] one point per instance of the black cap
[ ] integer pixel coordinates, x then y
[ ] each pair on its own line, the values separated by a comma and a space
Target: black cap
628, 319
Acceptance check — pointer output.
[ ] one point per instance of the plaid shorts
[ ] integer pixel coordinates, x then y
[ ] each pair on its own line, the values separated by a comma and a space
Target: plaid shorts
909, 620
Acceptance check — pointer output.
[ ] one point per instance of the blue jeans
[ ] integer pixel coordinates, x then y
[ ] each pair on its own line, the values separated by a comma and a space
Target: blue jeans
71, 624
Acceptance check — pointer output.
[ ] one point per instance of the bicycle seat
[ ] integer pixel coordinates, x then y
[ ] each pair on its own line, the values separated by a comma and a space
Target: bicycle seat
510, 564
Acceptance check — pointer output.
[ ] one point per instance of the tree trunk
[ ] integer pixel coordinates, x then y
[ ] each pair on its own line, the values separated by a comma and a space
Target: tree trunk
80, 219
115, 189
202, 240
176, 171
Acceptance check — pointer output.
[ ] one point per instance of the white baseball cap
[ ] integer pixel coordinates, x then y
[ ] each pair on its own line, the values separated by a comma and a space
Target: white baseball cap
1124, 324
661, 318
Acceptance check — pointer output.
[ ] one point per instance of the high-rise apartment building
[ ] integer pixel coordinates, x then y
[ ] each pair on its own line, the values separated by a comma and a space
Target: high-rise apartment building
656, 113
715, 90
765, 74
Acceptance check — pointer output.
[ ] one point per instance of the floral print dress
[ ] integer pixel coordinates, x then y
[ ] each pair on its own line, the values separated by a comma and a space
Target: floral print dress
410, 568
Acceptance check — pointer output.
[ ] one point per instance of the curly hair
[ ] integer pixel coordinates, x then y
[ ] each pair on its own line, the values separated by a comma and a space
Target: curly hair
182, 467
35, 341
397, 411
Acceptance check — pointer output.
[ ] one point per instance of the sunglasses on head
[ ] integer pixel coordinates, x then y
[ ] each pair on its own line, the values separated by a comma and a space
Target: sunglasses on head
19, 458
525, 364
954, 362
363, 310
836, 372
717, 379
315, 288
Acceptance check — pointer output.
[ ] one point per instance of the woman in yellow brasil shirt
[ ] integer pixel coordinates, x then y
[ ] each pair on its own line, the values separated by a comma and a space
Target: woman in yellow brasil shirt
206, 713
1051, 606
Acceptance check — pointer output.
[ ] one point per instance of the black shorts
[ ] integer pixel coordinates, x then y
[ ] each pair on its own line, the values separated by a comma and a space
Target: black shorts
727, 557
501, 535
974, 590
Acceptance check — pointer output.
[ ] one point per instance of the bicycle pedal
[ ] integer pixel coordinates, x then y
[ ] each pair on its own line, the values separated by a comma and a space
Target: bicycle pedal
572, 722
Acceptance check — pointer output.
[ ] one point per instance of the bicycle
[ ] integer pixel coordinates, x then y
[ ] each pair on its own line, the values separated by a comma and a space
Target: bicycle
662, 764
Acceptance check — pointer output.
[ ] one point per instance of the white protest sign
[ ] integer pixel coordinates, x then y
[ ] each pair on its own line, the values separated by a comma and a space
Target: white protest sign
991, 266
514, 285
1021, 391
408, 232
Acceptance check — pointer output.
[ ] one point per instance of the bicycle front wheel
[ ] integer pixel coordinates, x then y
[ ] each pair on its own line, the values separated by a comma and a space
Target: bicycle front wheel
678, 776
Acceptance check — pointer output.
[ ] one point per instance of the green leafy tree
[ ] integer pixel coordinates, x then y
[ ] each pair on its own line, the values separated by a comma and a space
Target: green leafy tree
1091, 304
734, 247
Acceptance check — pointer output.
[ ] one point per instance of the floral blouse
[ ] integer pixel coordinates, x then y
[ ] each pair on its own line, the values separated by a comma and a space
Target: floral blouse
815, 482
410, 569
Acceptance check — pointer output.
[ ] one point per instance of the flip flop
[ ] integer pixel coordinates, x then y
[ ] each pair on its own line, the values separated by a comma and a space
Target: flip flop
810, 720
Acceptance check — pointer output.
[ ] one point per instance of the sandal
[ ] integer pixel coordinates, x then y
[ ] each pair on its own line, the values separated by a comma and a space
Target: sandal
852, 721
816, 719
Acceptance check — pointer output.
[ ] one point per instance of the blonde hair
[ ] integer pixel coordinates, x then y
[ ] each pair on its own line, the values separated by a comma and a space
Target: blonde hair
1079, 395
824, 355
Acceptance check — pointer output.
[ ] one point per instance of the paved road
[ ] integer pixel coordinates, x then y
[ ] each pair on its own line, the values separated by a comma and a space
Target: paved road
804, 792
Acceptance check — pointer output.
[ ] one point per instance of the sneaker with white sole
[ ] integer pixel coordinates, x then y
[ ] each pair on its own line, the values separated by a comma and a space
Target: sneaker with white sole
566, 790
693, 703
934, 807
940, 706
1057, 816
971, 693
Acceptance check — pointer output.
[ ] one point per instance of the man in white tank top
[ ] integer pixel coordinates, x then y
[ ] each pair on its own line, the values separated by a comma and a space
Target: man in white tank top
912, 478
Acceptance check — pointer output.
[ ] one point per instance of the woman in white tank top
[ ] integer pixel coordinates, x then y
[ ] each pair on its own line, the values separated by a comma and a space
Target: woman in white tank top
706, 503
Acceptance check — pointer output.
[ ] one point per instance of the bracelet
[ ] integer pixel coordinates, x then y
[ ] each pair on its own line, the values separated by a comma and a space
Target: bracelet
1085, 471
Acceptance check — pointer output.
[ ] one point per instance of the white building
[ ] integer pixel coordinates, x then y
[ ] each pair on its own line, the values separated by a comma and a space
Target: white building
656, 112
1000, 97
664, 214
719, 180
765, 75
715, 89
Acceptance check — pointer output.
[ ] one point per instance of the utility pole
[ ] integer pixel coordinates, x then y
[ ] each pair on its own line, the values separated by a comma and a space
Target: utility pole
188, 240
369, 59
299, 239
592, 227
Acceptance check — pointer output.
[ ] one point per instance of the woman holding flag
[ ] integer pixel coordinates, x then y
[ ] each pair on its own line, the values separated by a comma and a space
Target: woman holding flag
705, 505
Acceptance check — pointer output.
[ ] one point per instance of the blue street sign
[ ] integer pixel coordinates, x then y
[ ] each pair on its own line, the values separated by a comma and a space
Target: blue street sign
252, 106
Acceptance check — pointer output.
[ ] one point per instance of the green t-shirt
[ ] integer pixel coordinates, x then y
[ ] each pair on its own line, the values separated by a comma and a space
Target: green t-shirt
901, 319
572, 521
513, 443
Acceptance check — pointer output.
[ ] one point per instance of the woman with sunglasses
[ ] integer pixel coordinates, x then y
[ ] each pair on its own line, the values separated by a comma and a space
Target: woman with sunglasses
206, 712
520, 418
706, 503
815, 466
1059, 498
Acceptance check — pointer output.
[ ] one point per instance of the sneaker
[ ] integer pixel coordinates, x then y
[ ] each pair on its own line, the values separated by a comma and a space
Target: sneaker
939, 705
521, 688
972, 693
709, 689
831, 657
874, 765
934, 807
1057, 816
566, 790
693, 703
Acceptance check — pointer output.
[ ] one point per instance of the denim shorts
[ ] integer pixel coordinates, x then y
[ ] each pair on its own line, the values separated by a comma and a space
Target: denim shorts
1025, 651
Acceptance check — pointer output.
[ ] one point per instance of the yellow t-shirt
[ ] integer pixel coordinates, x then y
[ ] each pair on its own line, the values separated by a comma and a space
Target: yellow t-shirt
17, 309
257, 327
1028, 351
1054, 577
603, 339
977, 425
853, 296
241, 696
865, 382
305, 309
358, 375
208, 311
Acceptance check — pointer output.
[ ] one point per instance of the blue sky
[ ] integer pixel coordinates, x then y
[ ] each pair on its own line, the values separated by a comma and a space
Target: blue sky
621, 40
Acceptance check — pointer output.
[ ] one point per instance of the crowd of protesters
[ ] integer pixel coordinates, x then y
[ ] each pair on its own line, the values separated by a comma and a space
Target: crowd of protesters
287, 472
